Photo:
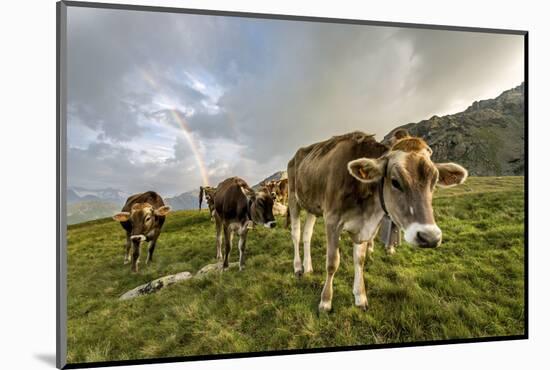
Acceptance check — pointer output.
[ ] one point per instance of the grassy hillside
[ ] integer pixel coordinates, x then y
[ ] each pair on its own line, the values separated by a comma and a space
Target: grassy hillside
472, 286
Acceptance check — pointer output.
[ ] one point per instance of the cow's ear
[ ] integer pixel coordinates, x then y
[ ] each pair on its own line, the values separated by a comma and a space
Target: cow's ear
450, 174
366, 170
162, 211
121, 216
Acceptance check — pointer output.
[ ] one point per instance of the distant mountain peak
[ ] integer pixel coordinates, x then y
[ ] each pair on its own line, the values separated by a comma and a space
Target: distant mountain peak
109, 194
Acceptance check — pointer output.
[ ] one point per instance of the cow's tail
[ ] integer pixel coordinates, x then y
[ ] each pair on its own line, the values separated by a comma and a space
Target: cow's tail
201, 193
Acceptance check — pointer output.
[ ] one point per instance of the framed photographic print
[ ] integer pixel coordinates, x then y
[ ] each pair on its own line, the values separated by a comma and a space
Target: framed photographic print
234, 184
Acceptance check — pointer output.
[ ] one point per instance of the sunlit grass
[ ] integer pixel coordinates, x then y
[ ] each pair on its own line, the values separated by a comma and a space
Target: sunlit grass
470, 287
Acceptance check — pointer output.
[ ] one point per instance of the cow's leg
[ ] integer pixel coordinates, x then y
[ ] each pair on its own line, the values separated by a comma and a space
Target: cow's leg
219, 239
128, 248
333, 261
228, 239
390, 249
151, 249
294, 214
308, 232
370, 247
359, 291
370, 250
135, 255
242, 245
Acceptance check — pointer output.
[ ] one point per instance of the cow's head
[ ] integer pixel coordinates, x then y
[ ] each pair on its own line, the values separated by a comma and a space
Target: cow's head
261, 207
208, 193
278, 190
409, 178
143, 218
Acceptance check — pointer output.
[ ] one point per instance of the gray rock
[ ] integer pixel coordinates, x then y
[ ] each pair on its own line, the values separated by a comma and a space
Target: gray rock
160, 283
156, 285
215, 267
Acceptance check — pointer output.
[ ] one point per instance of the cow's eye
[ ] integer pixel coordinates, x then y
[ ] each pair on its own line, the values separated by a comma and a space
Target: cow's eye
148, 218
396, 184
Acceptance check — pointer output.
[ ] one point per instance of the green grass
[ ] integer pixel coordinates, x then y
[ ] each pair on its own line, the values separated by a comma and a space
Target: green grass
470, 287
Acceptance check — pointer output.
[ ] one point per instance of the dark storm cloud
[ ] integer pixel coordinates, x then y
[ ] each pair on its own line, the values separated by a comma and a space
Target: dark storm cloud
330, 79
250, 92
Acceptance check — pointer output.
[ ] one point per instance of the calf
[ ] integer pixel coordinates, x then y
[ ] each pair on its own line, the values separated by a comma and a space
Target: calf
354, 182
142, 217
236, 207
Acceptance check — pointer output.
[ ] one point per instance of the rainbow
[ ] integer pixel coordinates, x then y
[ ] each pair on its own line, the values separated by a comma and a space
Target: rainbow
182, 123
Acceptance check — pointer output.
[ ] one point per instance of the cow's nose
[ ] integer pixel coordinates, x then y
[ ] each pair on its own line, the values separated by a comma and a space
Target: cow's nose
428, 239
423, 235
136, 238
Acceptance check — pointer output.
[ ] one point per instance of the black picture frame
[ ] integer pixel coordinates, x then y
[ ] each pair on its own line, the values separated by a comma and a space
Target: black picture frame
61, 186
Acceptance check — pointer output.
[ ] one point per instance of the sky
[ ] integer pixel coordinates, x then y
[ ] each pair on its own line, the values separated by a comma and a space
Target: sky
169, 102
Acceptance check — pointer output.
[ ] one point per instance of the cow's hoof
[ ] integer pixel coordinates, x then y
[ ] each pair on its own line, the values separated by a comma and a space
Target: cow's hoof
308, 271
299, 273
361, 302
325, 306
126, 262
390, 251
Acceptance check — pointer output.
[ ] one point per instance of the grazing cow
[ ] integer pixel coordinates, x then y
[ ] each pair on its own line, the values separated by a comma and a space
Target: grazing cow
353, 182
237, 206
208, 193
142, 217
279, 192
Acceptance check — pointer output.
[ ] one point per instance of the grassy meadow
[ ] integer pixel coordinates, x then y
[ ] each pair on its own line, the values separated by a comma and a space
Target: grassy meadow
470, 287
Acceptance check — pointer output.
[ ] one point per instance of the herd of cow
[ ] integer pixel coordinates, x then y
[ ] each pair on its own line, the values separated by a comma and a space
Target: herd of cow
352, 181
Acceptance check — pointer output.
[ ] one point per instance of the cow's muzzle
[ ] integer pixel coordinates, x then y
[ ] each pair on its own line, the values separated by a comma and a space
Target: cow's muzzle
423, 235
270, 224
136, 238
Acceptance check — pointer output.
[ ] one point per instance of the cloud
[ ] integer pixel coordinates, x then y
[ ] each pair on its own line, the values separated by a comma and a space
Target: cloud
331, 79
123, 168
249, 93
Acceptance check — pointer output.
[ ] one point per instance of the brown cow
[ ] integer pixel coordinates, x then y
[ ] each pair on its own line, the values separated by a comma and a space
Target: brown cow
208, 193
236, 207
279, 192
353, 181
142, 217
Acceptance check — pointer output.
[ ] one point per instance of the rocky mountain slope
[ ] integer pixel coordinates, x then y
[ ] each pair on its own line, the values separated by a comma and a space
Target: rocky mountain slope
487, 138
187, 200
79, 194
